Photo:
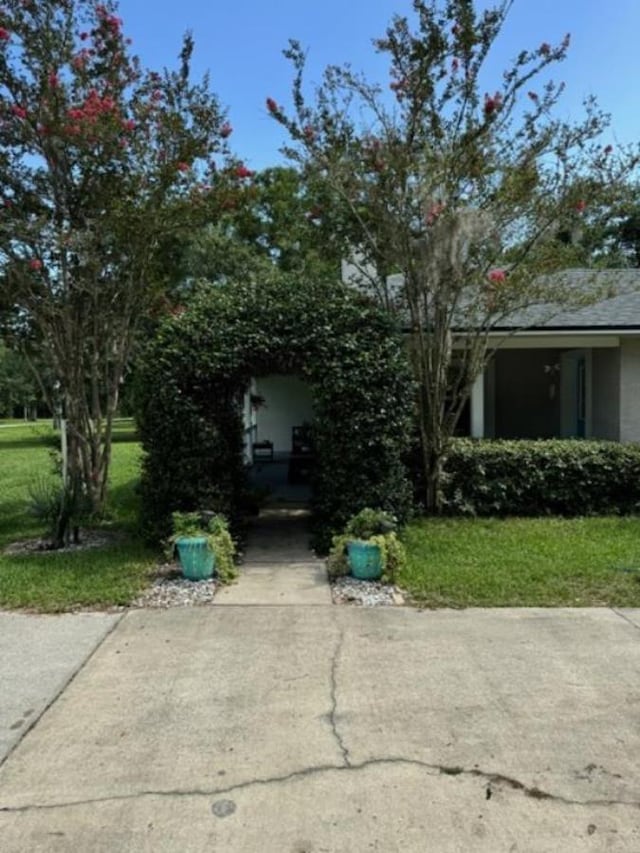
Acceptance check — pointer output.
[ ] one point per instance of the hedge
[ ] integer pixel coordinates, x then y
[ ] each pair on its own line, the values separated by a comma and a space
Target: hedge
550, 477
191, 377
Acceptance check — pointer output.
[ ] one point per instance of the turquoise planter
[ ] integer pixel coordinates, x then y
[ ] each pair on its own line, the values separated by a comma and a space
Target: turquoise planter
365, 560
196, 558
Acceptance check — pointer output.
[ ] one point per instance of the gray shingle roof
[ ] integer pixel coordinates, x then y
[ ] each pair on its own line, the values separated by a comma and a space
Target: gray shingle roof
619, 309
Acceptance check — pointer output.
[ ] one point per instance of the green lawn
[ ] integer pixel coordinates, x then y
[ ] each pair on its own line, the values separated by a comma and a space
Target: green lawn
576, 562
452, 562
97, 577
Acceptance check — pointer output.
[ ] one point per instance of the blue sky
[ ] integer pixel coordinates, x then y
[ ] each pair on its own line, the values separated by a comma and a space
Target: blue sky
241, 45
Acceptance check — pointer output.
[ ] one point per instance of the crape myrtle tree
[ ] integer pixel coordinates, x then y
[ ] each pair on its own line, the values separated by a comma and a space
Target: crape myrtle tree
458, 179
102, 165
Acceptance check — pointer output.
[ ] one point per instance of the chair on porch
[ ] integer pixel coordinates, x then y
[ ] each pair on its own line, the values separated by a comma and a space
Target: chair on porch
301, 459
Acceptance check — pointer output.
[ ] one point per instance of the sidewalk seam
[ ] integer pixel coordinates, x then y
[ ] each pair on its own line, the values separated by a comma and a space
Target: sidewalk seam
626, 618
35, 720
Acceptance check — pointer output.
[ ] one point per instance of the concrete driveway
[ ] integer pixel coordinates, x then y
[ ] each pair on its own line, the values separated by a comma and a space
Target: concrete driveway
319, 728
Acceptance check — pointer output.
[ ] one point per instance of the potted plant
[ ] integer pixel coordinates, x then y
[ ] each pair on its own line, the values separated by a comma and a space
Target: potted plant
368, 548
204, 546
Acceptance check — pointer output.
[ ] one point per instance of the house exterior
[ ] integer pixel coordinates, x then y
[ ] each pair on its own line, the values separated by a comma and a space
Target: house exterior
555, 373
575, 373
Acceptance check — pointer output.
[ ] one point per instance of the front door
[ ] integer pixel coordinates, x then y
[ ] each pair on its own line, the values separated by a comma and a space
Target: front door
575, 391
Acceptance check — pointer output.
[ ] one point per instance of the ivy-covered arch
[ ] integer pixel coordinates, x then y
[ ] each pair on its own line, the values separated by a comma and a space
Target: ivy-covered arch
193, 373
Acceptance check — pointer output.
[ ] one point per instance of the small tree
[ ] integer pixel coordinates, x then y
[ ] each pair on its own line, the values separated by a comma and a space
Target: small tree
458, 181
101, 163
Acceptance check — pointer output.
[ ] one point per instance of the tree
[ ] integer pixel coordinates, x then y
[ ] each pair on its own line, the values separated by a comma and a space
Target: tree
18, 385
102, 165
455, 179
273, 220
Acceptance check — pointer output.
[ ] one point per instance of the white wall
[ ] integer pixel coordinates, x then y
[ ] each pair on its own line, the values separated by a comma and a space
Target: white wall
288, 403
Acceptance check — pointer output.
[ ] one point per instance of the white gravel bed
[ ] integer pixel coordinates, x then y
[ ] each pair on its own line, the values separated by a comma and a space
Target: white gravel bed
170, 589
348, 590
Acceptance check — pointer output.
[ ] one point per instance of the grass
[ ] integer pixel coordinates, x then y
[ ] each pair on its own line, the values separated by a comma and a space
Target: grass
96, 577
452, 562
542, 562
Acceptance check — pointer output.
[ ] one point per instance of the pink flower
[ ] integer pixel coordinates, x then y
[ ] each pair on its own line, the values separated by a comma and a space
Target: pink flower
35, 264
492, 104
497, 276
309, 133
272, 106
581, 205
53, 80
398, 85
80, 59
243, 172
183, 167
5, 35
226, 130
18, 111
129, 124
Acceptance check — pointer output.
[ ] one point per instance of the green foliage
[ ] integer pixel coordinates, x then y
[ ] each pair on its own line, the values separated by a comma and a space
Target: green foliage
192, 374
60, 507
18, 387
102, 168
370, 522
215, 530
377, 527
458, 189
557, 477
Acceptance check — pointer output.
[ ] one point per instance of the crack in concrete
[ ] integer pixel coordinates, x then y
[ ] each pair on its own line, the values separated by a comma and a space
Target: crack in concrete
334, 700
498, 780
626, 619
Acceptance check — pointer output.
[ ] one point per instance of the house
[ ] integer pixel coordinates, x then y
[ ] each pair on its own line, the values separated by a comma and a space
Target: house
556, 373
568, 373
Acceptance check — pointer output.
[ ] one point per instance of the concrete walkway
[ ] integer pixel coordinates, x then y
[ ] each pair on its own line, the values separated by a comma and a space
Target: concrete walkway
279, 568
309, 729
38, 657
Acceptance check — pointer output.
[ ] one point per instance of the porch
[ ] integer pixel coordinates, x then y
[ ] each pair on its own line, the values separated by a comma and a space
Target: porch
278, 410
560, 386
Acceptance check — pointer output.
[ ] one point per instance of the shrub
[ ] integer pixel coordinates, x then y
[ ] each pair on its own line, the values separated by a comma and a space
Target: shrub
554, 477
377, 527
193, 373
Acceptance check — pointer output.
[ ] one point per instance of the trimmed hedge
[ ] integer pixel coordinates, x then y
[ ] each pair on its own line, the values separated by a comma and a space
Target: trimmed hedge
555, 477
192, 375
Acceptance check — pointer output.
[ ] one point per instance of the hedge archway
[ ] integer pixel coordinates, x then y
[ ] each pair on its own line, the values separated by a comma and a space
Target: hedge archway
192, 376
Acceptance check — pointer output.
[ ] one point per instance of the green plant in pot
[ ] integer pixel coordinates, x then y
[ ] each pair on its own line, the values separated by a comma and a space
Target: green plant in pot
368, 548
204, 546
